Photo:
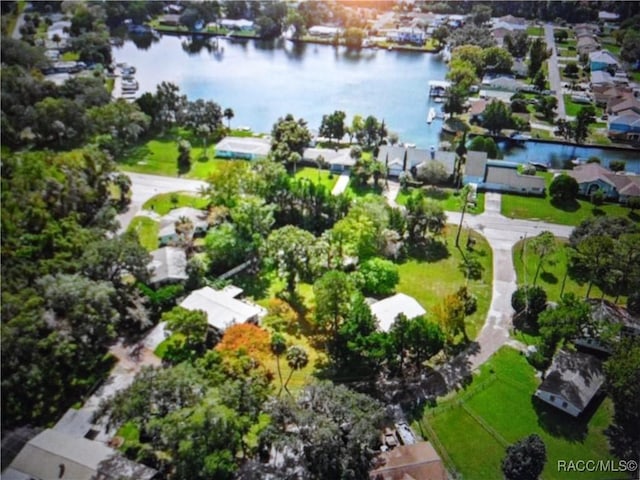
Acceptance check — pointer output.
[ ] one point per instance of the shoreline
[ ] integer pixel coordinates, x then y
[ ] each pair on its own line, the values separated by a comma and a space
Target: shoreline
500, 138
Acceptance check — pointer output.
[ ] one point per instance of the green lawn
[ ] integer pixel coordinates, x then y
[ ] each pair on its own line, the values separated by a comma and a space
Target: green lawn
541, 208
612, 47
429, 281
147, 231
552, 272
354, 189
70, 57
323, 177
447, 198
473, 427
572, 108
165, 202
535, 31
159, 156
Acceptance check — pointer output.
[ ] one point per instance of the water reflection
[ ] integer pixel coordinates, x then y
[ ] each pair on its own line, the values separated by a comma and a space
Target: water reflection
194, 44
143, 41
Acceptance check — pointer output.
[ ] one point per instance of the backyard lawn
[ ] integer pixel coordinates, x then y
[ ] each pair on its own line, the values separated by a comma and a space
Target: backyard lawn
147, 231
446, 197
552, 272
323, 177
429, 281
541, 208
535, 31
472, 432
572, 108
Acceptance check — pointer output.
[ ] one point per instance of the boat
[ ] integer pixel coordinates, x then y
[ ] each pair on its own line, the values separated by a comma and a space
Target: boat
541, 167
431, 115
438, 100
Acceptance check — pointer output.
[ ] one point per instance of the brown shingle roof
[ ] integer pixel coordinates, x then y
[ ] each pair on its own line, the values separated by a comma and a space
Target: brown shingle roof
419, 461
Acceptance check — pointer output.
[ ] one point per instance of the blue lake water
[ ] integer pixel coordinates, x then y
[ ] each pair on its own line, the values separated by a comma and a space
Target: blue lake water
262, 81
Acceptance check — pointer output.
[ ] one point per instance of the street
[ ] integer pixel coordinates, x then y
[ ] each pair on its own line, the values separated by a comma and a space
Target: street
554, 73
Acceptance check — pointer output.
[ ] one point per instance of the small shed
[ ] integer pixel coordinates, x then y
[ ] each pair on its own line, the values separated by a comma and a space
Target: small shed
388, 309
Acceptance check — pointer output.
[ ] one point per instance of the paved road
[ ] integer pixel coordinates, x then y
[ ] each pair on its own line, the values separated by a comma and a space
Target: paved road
554, 73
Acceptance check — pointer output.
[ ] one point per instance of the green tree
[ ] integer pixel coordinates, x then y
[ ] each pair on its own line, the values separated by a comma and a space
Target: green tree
517, 43
537, 55
585, 117
497, 59
225, 247
184, 156
228, 114
525, 459
377, 276
333, 293
425, 217
353, 37
497, 116
529, 302
450, 315
455, 100
297, 359
593, 257
433, 172
564, 188
571, 317
425, 339
278, 348
540, 81
332, 125
192, 326
462, 74
543, 245
289, 136
289, 249
480, 14
617, 165
547, 106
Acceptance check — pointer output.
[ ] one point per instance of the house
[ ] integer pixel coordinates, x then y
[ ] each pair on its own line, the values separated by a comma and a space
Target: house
601, 78
168, 234
394, 157
323, 31
608, 16
415, 36
474, 167
246, 148
603, 313
173, 8
241, 24
504, 177
592, 177
222, 308
498, 35
623, 106
418, 461
387, 310
624, 127
502, 82
571, 382
478, 106
168, 265
54, 454
603, 60
170, 20
587, 44
510, 23
338, 160
447, 159
520, 68
603, 94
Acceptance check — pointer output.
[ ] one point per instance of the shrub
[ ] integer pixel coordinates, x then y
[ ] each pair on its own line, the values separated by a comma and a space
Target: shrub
617, 165
529, 302
597, 197
378, 276
564, 188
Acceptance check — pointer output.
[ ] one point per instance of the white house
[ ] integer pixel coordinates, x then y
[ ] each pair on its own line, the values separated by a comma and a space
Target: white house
168, 264
222, 308
246, 148
338, 160
388, 309
394, 157
571, 382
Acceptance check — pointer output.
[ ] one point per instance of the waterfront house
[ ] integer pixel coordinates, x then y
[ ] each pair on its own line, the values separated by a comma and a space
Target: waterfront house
509, 22
168, 265
222, 307
394, 158
241, 24
446, 159
502, 82
474, 167
246, 148
603, 60
502, 176
623, 106
324, 31
339, 160
168, 234
592, 177
571, 382
387, 310
169, 20
624, 127
476, 110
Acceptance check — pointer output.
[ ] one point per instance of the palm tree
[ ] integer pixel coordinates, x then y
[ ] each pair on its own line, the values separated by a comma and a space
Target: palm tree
297, 359
228, 114
278, 347
184, 229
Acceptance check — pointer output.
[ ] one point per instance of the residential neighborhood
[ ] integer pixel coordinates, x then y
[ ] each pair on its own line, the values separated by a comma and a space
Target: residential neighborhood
320, 239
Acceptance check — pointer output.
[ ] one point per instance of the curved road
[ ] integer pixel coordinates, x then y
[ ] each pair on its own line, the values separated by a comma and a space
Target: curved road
502, 234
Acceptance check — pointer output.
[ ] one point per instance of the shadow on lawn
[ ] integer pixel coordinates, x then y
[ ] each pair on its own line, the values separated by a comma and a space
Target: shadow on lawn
566, 205
429, 251
560, 424
549, 277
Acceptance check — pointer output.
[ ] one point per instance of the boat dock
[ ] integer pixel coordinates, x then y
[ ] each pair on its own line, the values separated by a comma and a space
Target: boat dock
431, 115
438, 88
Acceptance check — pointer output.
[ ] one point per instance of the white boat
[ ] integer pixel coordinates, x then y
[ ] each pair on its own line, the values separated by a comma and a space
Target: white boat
431, 115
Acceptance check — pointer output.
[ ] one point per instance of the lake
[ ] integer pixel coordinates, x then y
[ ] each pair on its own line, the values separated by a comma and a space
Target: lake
262, 81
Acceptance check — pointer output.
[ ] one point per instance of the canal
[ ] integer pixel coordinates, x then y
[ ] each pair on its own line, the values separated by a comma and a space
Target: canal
262, 81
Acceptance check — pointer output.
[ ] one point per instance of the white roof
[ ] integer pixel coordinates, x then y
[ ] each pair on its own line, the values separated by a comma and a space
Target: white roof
168, 263
245, 145
603, 56
332, 157
388, 309
221, 308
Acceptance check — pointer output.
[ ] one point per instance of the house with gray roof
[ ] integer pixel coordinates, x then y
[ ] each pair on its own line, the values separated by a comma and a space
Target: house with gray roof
503, 176
503, 83
394, 157
604, 315
571, 382
246, 148
603, 60
55, 454
474, 167
587, 44
339, 160
168, 265
168, 234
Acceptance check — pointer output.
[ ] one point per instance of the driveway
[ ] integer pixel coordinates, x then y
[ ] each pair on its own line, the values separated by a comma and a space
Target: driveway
341, 184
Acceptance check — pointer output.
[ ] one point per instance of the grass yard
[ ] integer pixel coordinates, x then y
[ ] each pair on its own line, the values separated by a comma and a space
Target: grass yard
473, 427
552, 272
447, 198
354, 189
70, 57
159, 156
147, 231
572, 108
535, 31
539, 208
322, 177
428, 282
165, 202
